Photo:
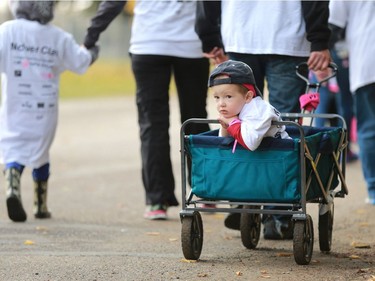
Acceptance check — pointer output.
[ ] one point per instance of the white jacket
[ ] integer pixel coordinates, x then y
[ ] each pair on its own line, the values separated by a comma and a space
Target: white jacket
256, 118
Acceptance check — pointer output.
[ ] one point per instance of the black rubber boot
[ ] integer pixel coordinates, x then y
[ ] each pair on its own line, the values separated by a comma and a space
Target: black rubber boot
40, 200
13, 195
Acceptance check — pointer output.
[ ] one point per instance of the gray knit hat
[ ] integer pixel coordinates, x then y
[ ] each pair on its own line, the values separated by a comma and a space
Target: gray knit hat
41, 11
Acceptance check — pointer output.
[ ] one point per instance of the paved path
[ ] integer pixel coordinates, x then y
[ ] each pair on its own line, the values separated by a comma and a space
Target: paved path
98, 233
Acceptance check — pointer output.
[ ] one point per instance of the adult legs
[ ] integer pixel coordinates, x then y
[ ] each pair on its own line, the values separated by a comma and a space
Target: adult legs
152, 74
345, 98
284, 86
365, 105
191, 76
325, 102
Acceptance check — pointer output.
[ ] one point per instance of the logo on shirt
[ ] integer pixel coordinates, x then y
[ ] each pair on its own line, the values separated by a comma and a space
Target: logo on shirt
44, 50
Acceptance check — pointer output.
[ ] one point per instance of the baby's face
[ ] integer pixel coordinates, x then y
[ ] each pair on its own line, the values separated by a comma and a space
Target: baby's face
229, 99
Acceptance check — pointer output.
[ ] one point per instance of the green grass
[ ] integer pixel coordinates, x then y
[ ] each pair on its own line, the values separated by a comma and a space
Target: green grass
103, 78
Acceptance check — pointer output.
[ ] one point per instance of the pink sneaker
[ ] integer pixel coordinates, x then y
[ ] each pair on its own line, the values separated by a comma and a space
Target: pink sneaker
209, 206
156, 212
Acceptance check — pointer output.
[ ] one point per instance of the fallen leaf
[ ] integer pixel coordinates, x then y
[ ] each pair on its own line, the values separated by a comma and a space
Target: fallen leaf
360, 245
363, 270
239, 273
153, 233
172, 239
202, 275
29, 242
265, 276
263, 271
354, 257
283, 254
41, 228
364, 224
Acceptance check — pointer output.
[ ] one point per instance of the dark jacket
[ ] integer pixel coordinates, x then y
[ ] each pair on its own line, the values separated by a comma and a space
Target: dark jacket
107, 12
315, 13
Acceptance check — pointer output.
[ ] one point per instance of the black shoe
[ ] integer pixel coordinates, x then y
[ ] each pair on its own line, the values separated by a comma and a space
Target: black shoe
288, 231
271, 231
233, 220
275, 230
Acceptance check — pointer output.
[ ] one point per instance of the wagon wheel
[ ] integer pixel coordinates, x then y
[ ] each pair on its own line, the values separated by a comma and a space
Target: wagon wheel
303, 240
250, 228
326, 229
192, 236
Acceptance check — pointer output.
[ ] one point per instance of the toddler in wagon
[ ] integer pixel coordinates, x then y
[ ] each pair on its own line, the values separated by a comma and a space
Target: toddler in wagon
243, 113
245, 116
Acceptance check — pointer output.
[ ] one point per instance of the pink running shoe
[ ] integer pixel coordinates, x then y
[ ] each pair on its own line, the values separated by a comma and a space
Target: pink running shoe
209, 206
156, 212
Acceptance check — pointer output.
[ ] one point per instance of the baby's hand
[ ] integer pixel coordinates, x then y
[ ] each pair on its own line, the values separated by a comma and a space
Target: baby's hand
225, 121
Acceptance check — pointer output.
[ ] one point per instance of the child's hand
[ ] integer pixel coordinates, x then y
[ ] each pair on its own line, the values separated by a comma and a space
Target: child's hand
225, 121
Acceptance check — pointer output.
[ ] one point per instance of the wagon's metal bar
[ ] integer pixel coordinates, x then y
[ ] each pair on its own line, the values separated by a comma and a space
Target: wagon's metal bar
341, 175
316, 173
342, 144
183, 152
301, 155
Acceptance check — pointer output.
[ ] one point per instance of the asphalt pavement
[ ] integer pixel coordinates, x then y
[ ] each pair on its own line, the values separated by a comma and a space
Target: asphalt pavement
97, 230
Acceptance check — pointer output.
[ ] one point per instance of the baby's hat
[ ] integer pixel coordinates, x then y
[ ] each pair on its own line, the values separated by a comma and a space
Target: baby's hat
237, 72
41, 11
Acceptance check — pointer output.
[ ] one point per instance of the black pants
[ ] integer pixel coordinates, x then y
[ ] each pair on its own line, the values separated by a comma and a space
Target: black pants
153, 75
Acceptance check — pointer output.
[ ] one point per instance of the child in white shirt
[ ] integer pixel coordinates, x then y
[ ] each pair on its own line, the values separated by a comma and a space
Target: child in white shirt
33, 54
243, 113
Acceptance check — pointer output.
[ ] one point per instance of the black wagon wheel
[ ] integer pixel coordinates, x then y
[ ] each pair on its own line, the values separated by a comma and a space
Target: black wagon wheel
303, 240
250, 228
326, 229
192, 236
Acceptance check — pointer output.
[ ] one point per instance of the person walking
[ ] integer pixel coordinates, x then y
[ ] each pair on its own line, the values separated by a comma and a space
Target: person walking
33, 54
272, 37
358, 19
163, 44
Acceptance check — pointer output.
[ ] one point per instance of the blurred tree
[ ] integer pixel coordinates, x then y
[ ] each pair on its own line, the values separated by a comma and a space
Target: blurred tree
129, 8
